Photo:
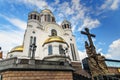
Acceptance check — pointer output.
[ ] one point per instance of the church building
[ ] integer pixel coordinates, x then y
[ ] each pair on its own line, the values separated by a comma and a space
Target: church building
45, 39
49, 52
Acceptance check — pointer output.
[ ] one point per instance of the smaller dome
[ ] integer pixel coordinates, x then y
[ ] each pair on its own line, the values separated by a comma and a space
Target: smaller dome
17, 49
66, 22
34, 15
46, 11
33, 12
54, 39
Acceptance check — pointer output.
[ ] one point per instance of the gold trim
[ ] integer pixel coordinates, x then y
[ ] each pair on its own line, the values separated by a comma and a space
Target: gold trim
119, 70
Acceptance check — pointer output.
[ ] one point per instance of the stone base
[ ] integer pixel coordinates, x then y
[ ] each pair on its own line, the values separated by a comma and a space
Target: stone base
28, 69
37, 75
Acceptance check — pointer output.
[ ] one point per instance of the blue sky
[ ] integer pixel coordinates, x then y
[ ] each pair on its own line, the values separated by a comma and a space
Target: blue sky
102, 17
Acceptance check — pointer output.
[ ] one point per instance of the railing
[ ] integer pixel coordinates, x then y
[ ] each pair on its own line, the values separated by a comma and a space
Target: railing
107, 77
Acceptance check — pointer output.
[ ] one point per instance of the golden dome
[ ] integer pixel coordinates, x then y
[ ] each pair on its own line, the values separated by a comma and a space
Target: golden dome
54, 39
17, 49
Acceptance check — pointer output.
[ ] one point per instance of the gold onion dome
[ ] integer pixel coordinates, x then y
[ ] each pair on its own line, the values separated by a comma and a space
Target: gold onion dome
54, 39
17, 49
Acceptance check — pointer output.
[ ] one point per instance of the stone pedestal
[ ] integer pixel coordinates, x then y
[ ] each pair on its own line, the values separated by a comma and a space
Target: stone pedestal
27, 69
95, 65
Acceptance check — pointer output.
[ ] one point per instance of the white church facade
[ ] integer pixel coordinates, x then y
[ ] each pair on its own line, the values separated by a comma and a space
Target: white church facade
44, 39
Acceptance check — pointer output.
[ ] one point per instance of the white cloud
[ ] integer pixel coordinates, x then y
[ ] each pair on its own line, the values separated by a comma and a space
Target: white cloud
82, 54
10, 39
57, 2
89, 23
16, 22
115, 4
38, 3
74, 9
111, 4
114, 49
76, 4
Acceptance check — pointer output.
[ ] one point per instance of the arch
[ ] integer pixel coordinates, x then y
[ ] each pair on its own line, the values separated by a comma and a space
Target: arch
49, 27
60, 49
30, 16
53, 32
53, 19
35, 16
49, 18
50, 50
45, 18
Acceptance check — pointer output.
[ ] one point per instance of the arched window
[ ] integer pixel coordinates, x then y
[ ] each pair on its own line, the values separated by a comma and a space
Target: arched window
50, 50
53, 19
53, 32
30, 16
45, 17
65, 25
60, 49
34, 16
49, 18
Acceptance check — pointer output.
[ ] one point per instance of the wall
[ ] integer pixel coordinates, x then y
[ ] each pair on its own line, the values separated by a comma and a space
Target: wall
37, 75
113, 70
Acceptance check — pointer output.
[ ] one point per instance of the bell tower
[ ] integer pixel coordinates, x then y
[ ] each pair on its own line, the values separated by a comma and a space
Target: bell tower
31, 33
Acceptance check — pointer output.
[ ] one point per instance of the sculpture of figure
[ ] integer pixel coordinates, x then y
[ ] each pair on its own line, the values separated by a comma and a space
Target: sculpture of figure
96, 62
90, 47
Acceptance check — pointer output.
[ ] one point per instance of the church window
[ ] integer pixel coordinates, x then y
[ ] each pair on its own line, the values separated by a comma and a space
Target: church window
50, 50
33, 32
30, 16
34, 16
29, 54
45, 17
65, 25
34, 40
73, 52
53, 19
48, 18
32, 47
60, 49
53, 32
